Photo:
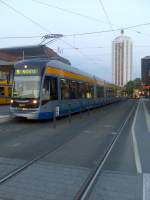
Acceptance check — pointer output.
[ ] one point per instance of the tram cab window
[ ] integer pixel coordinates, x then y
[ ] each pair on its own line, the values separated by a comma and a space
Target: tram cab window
2, 91
50, 89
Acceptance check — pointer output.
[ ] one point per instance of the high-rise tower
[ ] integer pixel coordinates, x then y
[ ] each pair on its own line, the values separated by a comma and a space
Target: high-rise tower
121, 60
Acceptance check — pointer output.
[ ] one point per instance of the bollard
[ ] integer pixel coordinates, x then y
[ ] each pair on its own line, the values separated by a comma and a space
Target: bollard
88, 109
80, 111
54, 118
69, 112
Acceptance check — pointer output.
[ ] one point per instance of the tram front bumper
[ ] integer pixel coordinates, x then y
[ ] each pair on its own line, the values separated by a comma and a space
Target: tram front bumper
24, 113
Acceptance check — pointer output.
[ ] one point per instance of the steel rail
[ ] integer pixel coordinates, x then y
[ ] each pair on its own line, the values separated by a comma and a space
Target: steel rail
39, 157
92, 178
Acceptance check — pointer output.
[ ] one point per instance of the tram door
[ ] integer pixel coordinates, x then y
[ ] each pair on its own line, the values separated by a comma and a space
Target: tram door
50, 88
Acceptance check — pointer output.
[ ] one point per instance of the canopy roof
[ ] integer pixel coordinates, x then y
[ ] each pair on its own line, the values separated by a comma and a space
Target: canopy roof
14, 54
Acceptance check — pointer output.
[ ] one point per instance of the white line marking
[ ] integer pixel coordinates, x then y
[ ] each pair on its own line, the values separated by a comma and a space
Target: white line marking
14, 145
105, 158
135, 146
147, 116
146, 186
144, 196
4, 118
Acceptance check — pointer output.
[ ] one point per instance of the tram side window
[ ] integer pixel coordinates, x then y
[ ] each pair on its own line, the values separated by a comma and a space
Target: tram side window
53, 89
73, 90
81, 90
50, 89
100, 91
89, 91
64, 89
9, 91
2, 91
109, 92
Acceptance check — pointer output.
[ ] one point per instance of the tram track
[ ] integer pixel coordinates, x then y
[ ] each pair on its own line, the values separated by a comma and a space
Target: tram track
27, 126
93, 176
41, 156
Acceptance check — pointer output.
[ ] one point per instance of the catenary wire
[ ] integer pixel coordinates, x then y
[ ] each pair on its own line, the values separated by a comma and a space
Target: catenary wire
85, 16
105, 12
43, 28
68, 11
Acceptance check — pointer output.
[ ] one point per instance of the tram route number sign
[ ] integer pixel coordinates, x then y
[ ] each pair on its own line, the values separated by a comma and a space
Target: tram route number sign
26, 71
57, 111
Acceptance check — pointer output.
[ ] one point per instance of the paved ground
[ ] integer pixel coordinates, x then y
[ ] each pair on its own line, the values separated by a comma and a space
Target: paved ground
4, 110
122, 157
127, 179
93, 132
119, 178
142, 130
75, 148
113, 185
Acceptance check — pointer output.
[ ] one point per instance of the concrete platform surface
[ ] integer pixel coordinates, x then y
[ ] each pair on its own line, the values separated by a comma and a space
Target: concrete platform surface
117, 186
45, 181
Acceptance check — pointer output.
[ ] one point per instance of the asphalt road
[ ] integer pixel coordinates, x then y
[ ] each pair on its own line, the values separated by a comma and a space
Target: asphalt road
80, 143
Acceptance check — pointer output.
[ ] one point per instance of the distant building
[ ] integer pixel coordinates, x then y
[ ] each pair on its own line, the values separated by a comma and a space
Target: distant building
121, 60
145, 70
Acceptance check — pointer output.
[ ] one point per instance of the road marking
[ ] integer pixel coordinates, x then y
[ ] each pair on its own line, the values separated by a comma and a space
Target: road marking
146, 186
147, 116
107, 154
4, 118
135, 146
114, 133
14, 145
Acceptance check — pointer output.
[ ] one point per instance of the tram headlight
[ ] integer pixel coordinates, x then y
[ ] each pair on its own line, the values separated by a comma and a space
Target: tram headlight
34, 101
11, 101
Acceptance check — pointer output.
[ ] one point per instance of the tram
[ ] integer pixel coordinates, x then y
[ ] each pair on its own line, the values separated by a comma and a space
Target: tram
5, 92
46, 87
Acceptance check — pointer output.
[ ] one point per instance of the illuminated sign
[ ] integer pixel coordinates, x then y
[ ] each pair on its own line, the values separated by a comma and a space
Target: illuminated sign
26, 71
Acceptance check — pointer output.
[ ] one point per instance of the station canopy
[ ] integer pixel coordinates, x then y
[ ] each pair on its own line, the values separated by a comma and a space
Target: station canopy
11, 55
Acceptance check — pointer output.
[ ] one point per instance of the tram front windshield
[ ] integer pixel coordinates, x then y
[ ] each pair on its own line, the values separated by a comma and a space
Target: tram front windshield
26, 87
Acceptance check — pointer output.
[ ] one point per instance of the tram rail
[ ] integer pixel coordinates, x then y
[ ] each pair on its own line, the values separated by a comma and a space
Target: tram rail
93, 176
87, 186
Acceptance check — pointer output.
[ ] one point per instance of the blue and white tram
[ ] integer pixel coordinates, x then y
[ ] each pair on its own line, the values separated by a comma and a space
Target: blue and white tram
43, 87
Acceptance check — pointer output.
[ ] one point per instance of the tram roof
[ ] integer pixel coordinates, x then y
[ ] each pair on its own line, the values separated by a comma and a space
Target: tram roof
58, 63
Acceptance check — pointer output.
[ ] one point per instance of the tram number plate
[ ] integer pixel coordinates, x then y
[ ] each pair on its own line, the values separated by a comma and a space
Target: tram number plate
21, 105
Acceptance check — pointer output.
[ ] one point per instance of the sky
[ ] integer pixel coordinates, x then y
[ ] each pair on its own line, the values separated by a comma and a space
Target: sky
91, 53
